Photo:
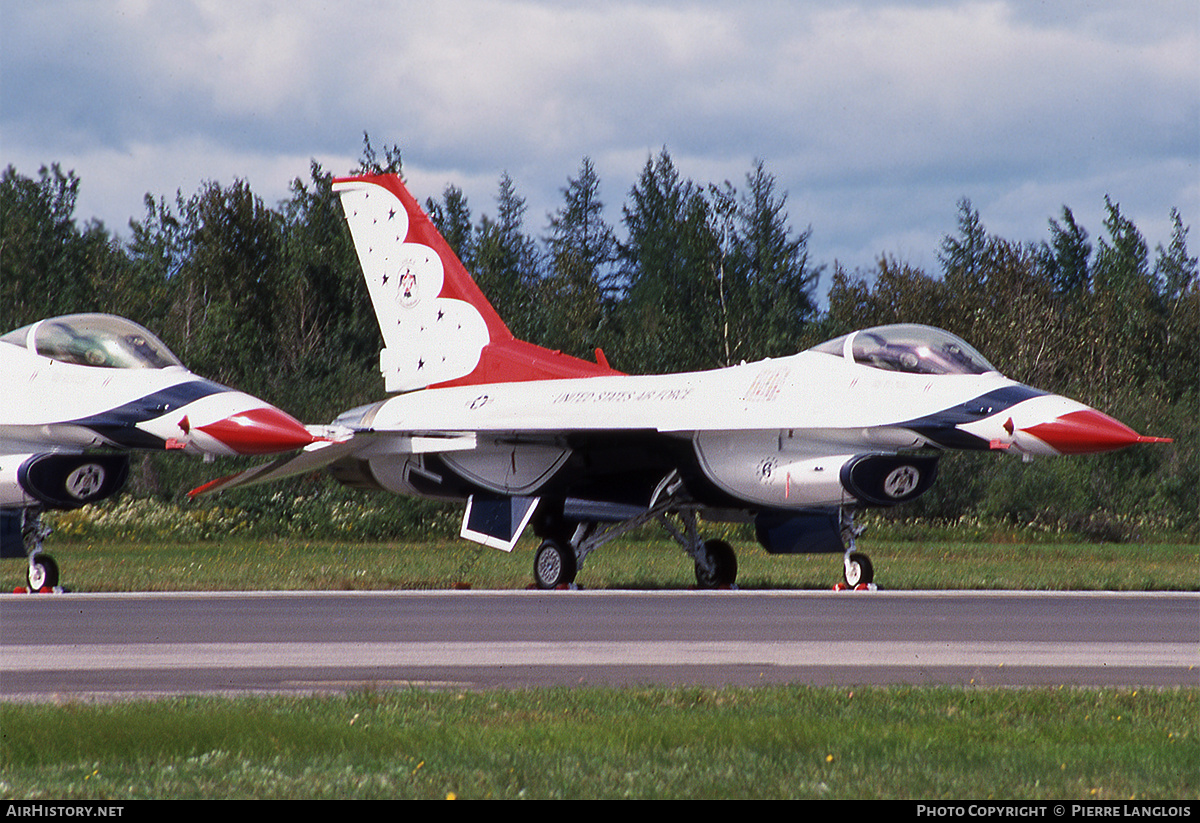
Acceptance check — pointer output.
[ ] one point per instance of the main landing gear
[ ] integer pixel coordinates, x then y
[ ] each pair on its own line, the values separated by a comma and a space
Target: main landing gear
718, 568
716, 562
554, 565
562, 552
558, 560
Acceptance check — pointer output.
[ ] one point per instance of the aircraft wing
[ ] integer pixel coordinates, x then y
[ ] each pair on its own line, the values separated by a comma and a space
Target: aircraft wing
314, 457
364, 443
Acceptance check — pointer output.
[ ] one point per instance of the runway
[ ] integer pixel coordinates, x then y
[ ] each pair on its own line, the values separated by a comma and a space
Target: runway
96, 646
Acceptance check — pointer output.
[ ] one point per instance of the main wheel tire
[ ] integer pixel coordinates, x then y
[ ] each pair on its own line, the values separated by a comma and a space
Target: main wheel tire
722, 561
858, 570
554, 565
43, 572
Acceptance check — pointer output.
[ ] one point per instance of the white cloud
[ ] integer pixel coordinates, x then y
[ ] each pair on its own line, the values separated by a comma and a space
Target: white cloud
874, 116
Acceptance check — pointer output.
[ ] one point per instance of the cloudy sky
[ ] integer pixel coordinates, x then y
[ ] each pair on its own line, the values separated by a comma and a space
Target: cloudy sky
875, 117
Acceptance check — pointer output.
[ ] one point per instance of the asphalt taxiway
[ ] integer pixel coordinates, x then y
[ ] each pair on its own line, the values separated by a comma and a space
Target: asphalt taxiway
103, 646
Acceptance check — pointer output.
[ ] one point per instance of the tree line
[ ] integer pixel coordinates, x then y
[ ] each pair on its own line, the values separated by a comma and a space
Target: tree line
270, 299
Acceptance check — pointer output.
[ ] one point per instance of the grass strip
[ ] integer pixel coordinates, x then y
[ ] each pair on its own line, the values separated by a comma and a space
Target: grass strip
242, 564
779, 742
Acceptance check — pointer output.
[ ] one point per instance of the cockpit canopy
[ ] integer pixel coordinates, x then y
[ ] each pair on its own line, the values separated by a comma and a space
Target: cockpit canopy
909, 348
101, 340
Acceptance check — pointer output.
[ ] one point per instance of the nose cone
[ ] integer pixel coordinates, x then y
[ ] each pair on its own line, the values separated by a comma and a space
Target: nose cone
1087, 431
264, 430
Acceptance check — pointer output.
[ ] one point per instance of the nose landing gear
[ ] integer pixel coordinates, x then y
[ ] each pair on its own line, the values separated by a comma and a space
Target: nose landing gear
858, 573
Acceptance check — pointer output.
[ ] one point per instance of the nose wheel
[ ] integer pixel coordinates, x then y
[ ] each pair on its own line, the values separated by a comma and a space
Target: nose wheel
43, 572
858, 570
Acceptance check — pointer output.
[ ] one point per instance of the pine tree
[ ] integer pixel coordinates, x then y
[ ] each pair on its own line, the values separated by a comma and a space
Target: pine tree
1067, 255
773, 271
505, 262
578, 289
668, 260
452, 218
963, 257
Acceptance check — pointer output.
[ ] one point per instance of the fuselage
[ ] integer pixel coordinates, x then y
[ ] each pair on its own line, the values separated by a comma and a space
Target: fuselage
809, 390
792, 432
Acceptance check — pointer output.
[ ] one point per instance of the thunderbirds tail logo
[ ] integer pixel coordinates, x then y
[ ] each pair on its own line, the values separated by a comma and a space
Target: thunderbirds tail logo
408, 290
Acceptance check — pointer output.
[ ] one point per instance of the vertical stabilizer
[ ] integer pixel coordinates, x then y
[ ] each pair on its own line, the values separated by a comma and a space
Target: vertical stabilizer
438, 328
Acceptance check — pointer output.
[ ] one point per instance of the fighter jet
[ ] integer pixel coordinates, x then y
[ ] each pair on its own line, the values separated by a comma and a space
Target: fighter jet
83, 391
523, 435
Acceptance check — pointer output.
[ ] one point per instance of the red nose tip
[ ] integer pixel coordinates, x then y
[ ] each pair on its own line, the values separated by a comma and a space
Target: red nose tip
260, 431
1087, 432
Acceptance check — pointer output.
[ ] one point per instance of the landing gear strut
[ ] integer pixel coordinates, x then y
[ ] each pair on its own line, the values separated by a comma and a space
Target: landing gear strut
716, 562
857, 569
43, 571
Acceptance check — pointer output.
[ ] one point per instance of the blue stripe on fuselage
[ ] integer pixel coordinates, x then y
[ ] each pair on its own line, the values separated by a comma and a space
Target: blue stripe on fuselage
120, 424
942, 427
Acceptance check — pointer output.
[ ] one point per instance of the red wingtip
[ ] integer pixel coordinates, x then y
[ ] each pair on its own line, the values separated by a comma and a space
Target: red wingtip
209, 486
260, 431
1088, 432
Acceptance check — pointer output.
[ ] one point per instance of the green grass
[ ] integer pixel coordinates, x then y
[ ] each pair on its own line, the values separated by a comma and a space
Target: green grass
243, 564
788, 742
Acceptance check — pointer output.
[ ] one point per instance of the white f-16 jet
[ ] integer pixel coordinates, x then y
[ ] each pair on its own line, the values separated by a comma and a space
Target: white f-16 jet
83, 391
524, 435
